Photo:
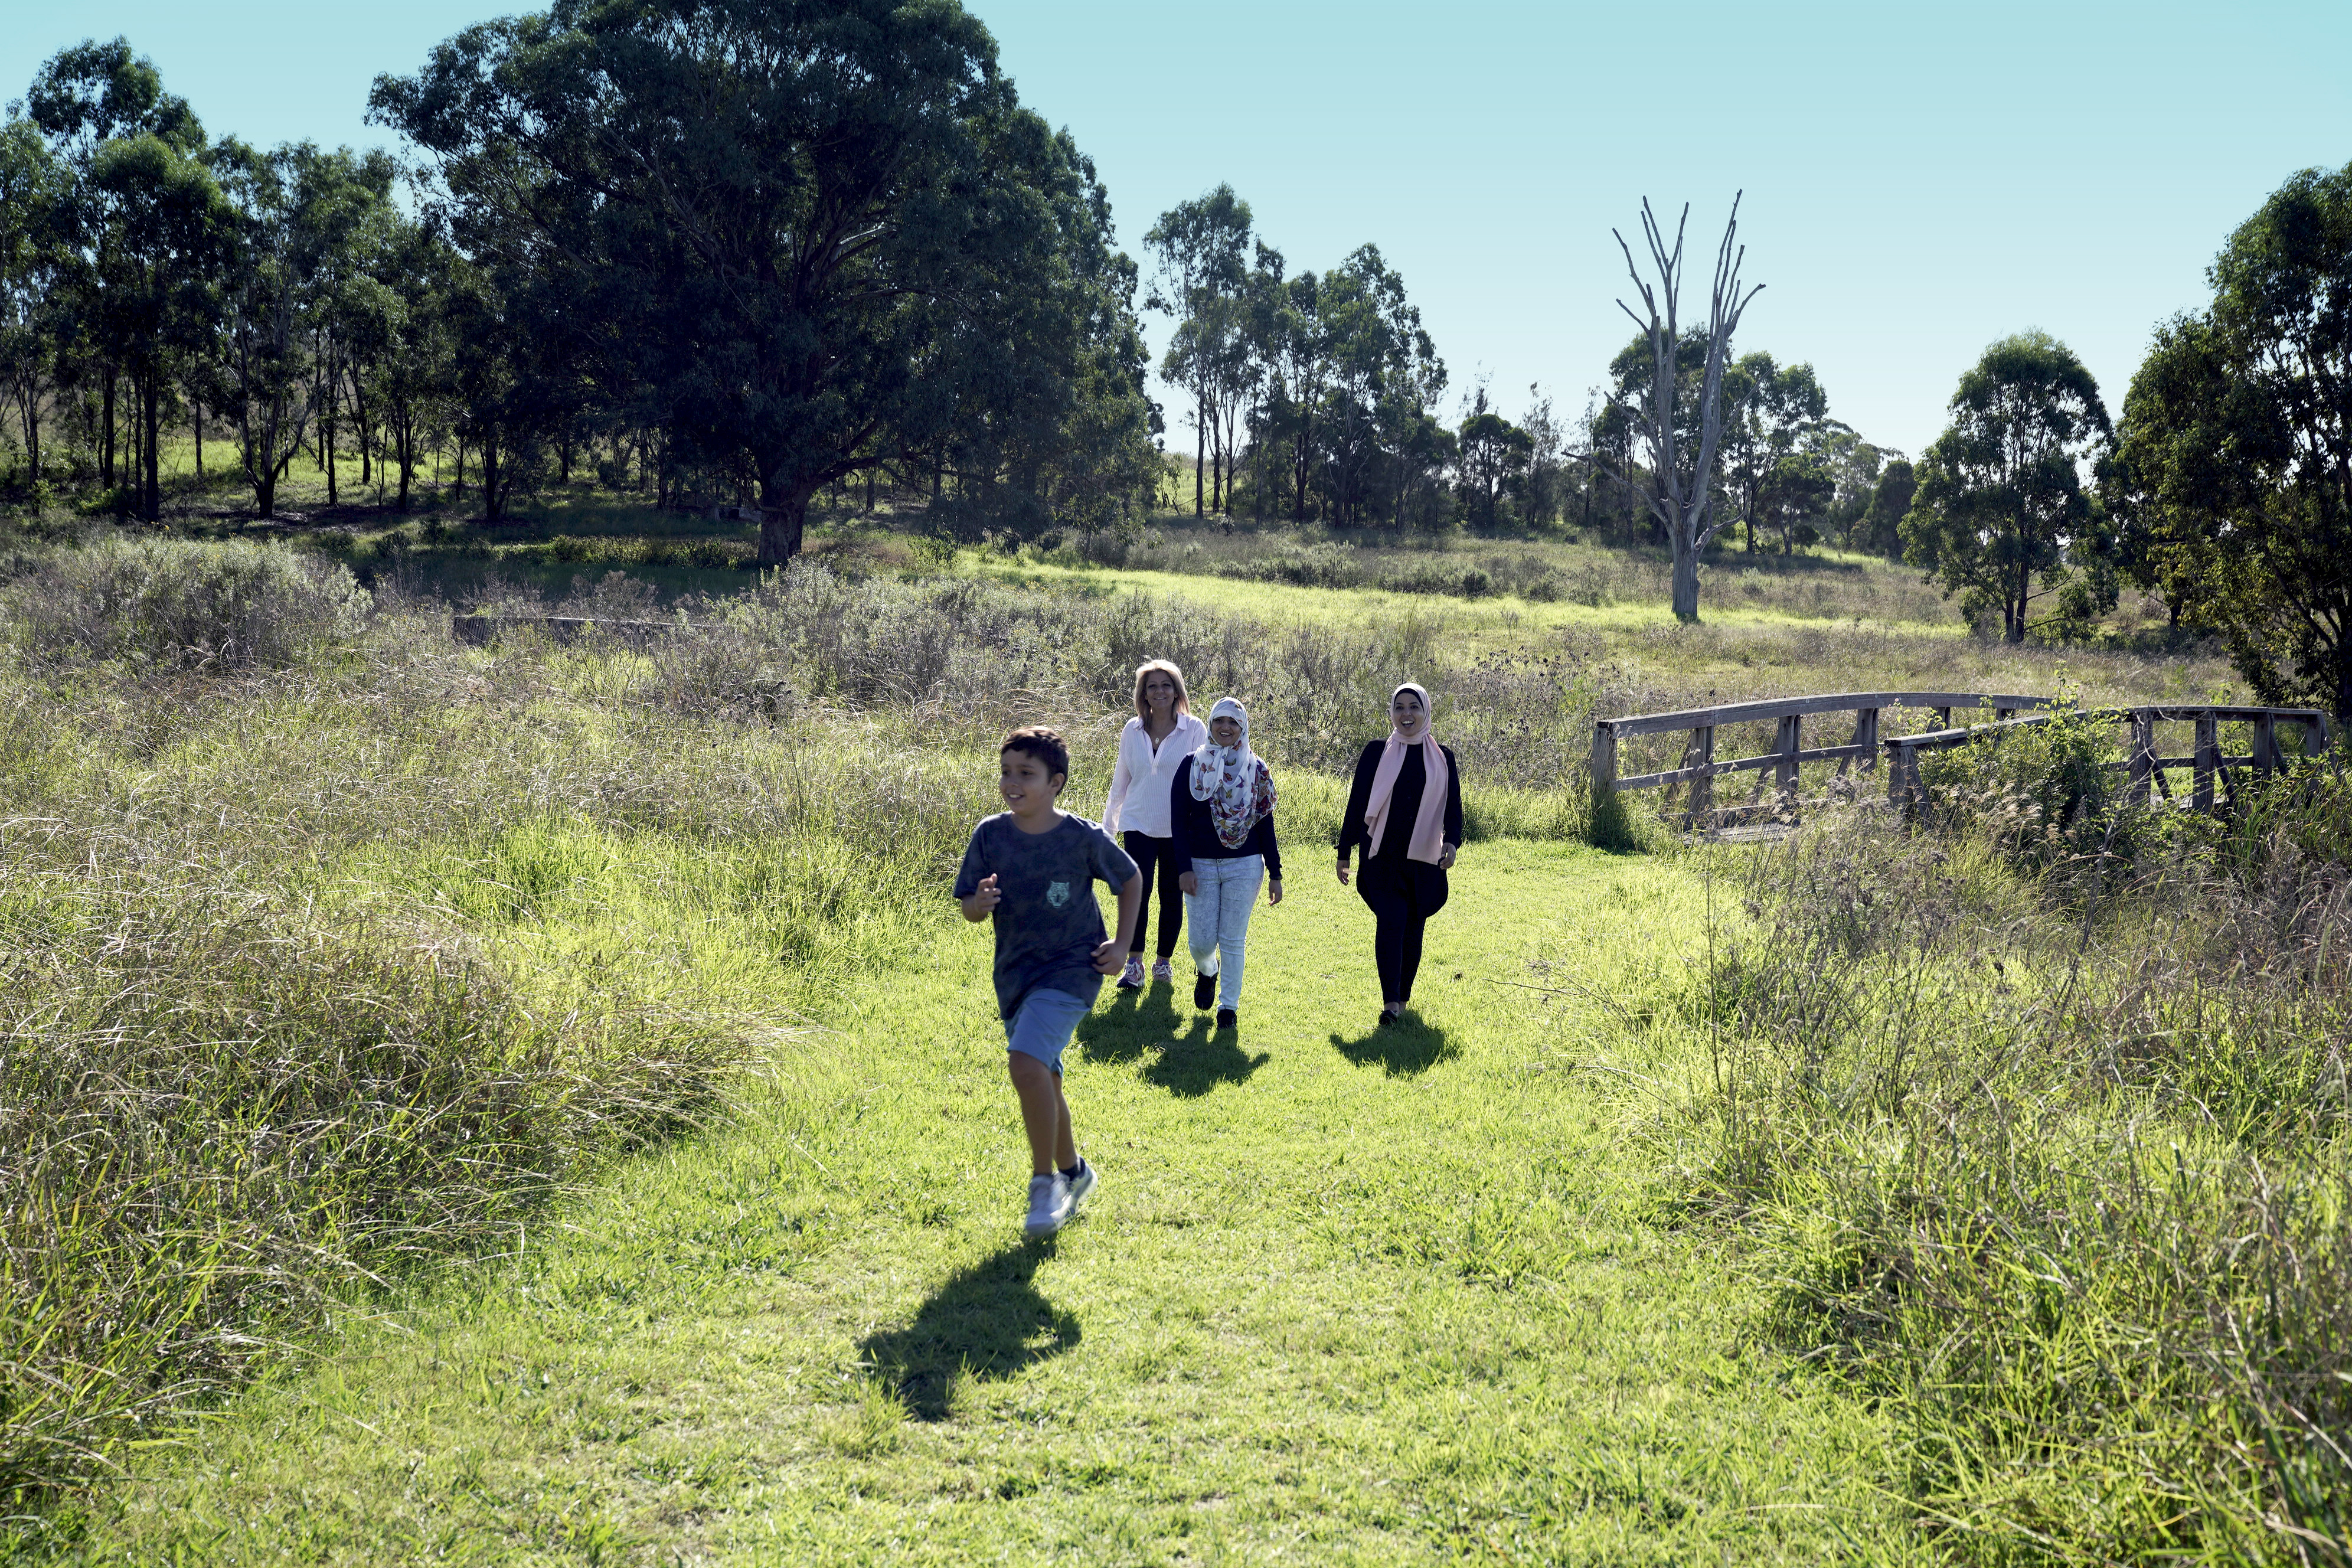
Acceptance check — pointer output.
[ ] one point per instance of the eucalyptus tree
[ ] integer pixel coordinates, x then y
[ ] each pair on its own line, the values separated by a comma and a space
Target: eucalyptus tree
1382, 378
1771, 411
411, 371
264, 298
33, 188
2002, 516
1201, 248
1492, 457
823, 237
140, 225
1680, 489
2232, 474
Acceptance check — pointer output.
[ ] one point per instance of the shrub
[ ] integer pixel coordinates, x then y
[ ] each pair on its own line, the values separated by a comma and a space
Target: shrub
182, 603
2066, 1192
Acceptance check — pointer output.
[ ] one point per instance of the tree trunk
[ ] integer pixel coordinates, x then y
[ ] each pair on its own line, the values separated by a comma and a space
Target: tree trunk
783, 521
1685, 574
358, 417
457, 490
1200, 454
106, 440
493, 503
197, 404
152, 397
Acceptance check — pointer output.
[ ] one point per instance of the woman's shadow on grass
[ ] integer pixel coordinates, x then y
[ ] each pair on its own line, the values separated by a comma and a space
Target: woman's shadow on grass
1195, 1056
987, 1321
1404, 1049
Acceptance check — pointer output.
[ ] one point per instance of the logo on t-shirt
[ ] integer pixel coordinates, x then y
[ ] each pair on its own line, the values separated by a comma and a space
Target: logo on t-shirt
1058, 895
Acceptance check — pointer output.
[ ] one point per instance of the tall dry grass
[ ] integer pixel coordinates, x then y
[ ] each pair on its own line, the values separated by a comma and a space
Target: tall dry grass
2040, 1124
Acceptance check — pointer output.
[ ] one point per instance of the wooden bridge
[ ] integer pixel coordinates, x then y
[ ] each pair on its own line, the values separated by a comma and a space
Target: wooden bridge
2263, 730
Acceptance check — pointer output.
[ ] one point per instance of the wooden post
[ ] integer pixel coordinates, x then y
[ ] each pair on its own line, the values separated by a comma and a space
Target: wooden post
2143, 752
2208, 759
2000, 714
1702, 792
2266, 751
1865, 735
1605, 763
1943, 717
1787, 742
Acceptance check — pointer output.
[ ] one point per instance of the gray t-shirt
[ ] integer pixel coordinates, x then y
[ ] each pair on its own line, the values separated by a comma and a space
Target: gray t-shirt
1047, 923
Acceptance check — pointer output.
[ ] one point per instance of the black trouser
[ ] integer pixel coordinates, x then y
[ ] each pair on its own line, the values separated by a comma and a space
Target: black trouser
1402, 895
1157, 857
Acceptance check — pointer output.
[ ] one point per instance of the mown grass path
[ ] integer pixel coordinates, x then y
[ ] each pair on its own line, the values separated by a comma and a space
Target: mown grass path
1342, 1297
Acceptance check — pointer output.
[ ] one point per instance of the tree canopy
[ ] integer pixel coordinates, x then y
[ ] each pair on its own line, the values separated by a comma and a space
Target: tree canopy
836, 240
2232, 474
2002, 515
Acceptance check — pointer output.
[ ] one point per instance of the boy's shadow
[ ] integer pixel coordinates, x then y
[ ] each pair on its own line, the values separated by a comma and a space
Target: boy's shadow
1406, 1048
1201, 1058
987, 1321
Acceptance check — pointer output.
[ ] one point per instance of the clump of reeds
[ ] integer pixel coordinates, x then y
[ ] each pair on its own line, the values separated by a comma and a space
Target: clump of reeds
219, 1113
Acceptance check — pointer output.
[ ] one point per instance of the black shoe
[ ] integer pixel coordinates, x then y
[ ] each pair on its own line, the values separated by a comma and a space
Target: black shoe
1387, 1018
1204, 991
1225, 1019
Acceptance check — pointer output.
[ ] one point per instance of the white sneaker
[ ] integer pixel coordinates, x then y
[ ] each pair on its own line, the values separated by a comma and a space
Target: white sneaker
1164, 970
1049, 1205
1131, 977
1081, 1184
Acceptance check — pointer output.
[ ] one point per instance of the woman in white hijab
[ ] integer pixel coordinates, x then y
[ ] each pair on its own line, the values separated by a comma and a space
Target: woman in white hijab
1223, 810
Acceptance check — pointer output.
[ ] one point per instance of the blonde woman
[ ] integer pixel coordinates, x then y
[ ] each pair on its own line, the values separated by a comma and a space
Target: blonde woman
1155, 743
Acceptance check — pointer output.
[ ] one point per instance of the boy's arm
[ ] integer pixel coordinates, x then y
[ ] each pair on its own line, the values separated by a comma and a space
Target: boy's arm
1111, 956
981, 902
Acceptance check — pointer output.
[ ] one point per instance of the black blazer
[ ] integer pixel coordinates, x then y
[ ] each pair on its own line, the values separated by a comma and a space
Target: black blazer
1404, 805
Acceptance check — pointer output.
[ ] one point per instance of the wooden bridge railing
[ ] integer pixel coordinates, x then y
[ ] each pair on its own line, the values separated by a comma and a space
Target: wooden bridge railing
1699, 769
2142, 761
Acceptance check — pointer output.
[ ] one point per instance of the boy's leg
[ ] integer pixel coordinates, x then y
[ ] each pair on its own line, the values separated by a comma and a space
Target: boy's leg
1045, 1114
1035, 1038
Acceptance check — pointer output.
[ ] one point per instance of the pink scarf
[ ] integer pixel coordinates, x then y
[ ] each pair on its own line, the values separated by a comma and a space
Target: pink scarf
1428, 841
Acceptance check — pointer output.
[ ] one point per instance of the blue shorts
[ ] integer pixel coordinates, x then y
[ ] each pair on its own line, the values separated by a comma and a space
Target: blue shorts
1043, 1026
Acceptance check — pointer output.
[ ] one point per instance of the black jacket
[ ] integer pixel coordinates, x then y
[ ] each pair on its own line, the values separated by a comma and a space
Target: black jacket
1404, 802
1196, 831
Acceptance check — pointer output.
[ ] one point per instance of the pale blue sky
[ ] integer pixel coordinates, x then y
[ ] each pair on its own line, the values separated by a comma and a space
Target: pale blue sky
1920, 180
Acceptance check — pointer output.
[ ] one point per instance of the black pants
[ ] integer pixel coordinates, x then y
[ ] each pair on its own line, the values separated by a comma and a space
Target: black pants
1156, 858
1402, 895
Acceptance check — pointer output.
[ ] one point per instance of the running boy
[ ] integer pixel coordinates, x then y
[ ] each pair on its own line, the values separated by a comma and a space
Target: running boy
1032, 868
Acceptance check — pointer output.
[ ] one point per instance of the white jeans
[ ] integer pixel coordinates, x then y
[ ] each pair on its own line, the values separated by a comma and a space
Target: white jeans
1216, 920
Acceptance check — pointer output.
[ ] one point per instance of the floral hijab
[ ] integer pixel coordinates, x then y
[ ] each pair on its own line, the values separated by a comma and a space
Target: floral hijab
1239, 790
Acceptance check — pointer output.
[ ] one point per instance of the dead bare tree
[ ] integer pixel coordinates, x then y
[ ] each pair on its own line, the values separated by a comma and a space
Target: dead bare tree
1681, 494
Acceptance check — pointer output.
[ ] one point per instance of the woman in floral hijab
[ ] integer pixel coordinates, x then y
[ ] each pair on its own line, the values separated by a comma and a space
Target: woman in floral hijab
1222, 800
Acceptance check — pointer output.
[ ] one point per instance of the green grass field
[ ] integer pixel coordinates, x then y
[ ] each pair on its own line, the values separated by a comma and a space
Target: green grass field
1719, 1204
1344, 1296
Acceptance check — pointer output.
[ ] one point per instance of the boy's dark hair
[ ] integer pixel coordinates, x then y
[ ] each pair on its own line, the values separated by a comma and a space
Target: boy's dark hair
1046, 745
